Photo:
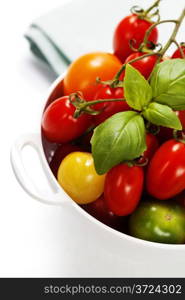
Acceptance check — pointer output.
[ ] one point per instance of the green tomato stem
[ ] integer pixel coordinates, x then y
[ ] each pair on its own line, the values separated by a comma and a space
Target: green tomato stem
89, 103
145, 14
172, 37
156, 4
148, 32
174, 33
85, 106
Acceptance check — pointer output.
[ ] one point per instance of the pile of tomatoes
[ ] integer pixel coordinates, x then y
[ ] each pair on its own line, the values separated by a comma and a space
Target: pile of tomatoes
143, 198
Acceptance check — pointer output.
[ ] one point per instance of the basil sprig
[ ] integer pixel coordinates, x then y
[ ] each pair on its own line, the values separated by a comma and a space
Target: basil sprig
122, 137
119, 138
162, 115
168, 83
138, 92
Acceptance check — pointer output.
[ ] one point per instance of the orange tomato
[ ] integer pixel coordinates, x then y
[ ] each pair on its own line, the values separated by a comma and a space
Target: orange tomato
82, 73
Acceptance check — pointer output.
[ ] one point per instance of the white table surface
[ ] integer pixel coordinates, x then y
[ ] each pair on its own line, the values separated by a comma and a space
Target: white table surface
30, 232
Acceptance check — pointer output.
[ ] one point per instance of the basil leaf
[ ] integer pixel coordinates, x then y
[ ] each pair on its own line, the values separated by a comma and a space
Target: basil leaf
137, 91
119, 138
162, 115
168, 83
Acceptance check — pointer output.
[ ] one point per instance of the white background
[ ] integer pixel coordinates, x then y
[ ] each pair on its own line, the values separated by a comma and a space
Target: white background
29, 231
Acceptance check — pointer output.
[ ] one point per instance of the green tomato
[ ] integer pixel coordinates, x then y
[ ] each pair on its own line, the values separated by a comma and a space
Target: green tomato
159, 222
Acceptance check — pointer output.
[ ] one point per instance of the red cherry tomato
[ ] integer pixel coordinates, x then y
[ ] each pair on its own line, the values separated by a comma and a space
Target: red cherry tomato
60, 154
109, 108
131, 28
83, 72
145, 65
58, 124
167, 133
166, 171
177, 53
123, 188
99, 210
152, 145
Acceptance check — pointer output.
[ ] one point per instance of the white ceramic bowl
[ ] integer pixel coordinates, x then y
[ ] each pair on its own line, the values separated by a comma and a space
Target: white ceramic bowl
94, 249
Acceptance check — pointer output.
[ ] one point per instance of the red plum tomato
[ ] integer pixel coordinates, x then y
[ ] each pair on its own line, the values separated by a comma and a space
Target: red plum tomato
131, 28
123, 188
166, 171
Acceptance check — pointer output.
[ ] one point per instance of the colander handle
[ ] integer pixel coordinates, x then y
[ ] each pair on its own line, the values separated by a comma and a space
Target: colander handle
55, 195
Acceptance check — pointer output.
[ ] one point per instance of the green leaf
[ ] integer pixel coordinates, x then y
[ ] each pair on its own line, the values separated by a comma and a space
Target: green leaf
119, 138
168, 83
138, 92
162, 115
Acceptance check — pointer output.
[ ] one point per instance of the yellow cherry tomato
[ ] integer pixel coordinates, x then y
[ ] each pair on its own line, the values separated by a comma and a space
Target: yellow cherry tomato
78, 177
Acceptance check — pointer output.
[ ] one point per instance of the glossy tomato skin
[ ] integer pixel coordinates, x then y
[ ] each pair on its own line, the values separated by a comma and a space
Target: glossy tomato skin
145, 65
131, 28
166, 171
177, 53
83, 72
123, 189
109, 108
58, 124
167, 133
158, 221
78, 177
